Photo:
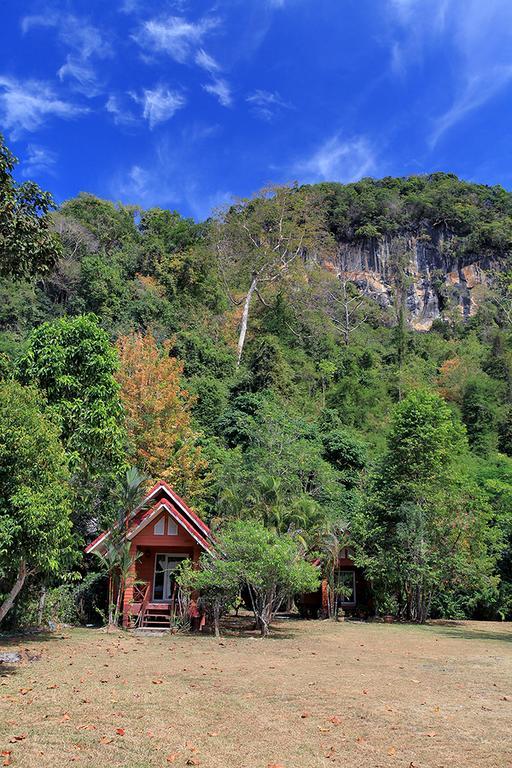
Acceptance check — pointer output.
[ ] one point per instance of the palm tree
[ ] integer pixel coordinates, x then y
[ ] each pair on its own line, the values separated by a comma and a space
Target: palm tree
117, 560
333, 539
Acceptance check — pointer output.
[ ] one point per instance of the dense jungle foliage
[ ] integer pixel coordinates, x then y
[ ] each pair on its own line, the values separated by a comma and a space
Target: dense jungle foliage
225, 357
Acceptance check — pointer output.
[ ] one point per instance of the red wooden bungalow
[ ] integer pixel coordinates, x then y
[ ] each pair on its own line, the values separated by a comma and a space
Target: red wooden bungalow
163, 532
356, 599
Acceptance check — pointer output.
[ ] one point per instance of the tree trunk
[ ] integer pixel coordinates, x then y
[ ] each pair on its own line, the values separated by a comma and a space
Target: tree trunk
346, 329
110, 600
216, 621
245, 319
264, 625
119, 598
14, 592
40, 607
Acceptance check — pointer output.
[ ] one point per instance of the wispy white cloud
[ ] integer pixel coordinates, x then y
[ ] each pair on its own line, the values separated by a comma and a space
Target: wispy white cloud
26, 105
337, 159
265, 104
477, 91
221, 89
205, 61
38, 160
119, 111
85, 43
172, 174
160, 104
479, 39
174, 35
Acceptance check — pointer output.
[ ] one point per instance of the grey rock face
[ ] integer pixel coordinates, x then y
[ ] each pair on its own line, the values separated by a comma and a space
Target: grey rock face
436, 280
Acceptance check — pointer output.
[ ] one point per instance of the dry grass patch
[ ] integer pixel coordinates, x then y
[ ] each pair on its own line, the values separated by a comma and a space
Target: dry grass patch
314, 694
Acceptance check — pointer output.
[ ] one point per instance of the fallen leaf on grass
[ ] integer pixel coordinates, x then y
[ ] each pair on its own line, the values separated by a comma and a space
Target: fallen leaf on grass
64, 717
192, 761
305, 714
157, 682
275, 765
86, 727
17, 738
49, 687
106, 740
335, 720
120, 731
171, 758
213, 733
24, 691
391, 751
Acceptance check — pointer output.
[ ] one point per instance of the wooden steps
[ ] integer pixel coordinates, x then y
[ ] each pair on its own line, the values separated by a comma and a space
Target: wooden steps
156, 615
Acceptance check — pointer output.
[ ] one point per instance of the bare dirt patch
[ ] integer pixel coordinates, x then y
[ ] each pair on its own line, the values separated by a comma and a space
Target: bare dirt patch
314, 694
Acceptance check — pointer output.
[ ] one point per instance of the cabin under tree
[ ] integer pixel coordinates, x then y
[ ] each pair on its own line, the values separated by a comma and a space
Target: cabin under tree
162, 532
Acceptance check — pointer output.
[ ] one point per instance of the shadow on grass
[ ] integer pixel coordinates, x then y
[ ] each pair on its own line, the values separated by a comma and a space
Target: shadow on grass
476, 634
460, 631
9, 639
16, 642
244, 627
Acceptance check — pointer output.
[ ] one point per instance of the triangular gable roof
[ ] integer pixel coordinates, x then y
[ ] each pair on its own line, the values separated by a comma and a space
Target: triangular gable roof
176, 515
174, 506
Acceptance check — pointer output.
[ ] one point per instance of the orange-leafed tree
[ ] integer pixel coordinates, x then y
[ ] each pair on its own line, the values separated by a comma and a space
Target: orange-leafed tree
162, 441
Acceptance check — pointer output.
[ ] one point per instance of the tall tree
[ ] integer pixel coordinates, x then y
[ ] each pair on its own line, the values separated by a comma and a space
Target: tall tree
162, 441
258, 240
34, 493
427, 528
72, 361
28, 245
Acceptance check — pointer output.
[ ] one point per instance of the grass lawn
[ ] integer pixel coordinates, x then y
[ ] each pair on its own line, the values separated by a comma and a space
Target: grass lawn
314, 694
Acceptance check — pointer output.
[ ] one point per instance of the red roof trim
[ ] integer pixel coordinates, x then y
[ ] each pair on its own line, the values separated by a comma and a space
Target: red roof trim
201, 536
177, 516
174, 496
96, 541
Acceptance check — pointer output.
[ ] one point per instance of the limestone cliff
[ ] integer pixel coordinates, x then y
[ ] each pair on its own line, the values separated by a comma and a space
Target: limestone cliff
436, 279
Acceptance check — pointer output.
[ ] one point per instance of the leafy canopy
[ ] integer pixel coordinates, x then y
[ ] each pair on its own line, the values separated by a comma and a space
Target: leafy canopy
28, 246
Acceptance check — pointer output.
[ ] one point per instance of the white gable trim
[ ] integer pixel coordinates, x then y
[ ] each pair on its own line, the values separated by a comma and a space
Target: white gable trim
97, 543
176, 499
147, 520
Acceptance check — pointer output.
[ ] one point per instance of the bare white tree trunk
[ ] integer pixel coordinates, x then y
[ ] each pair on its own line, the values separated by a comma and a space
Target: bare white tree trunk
245, 319
15, 590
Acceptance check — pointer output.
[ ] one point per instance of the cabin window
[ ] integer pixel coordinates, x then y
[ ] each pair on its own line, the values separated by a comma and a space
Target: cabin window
159, 530
347, 587
172, 528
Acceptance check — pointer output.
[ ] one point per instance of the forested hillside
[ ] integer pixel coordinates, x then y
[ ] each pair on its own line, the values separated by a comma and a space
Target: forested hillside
268, 363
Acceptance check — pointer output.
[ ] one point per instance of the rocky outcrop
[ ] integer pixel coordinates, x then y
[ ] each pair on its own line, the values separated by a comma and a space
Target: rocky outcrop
425, 269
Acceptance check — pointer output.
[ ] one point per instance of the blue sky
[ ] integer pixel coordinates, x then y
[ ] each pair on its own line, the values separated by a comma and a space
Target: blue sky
185, 104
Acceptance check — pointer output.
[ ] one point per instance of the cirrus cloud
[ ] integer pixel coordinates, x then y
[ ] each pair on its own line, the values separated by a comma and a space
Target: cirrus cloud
25, 105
